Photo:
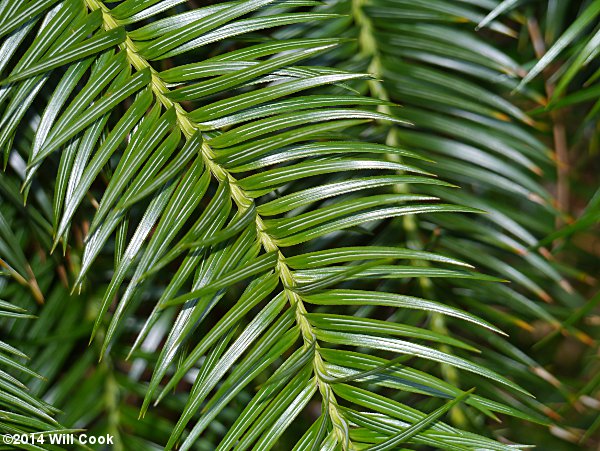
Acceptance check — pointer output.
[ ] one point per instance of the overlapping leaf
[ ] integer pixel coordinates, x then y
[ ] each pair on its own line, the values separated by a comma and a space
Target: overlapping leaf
238, 180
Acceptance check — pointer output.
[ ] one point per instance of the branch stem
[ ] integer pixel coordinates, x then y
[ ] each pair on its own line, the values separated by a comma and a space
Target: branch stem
559, 133
243, 202
369, 49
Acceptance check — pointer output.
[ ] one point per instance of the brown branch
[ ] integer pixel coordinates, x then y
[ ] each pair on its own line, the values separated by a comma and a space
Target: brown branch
559, 133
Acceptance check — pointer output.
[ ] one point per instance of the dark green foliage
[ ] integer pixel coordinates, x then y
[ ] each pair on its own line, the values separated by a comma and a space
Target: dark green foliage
301, 225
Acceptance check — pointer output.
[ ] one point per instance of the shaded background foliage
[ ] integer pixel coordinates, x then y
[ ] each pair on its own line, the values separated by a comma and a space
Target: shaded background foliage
459, 96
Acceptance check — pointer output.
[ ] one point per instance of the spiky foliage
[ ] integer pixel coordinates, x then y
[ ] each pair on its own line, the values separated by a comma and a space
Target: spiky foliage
230, 202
